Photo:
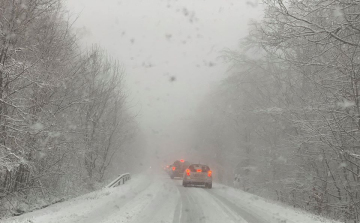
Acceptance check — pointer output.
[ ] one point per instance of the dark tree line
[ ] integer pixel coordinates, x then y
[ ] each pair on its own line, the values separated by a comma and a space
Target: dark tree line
287, 120
63, 117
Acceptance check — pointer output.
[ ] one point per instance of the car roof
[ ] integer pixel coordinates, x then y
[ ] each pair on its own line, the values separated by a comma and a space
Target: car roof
198, 164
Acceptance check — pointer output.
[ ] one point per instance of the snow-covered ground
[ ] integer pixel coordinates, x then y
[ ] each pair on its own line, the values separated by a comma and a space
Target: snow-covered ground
157, 198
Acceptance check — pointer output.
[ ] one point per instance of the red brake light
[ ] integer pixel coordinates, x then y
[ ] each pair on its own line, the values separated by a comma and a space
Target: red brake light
209, 173
198, 170
188, 172
173, 168
182, 161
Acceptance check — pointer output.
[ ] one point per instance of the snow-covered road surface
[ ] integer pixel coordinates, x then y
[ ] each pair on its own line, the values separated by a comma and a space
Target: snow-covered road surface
158, 199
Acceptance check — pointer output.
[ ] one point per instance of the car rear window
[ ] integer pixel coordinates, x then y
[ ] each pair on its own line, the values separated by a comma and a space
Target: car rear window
203, 168
177, 163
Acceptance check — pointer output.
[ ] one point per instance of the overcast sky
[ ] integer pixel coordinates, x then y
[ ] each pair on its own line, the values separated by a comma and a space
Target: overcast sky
170, 50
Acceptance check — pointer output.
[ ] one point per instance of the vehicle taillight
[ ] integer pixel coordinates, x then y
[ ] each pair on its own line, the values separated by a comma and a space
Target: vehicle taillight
198, 170
188, 172
182, 161
173, 168
209, 173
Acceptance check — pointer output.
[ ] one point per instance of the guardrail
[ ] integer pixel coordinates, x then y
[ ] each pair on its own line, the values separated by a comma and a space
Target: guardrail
119, 180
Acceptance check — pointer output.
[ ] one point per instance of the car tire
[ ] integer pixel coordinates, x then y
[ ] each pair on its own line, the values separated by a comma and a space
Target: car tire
185, 184
208, 185
172, 176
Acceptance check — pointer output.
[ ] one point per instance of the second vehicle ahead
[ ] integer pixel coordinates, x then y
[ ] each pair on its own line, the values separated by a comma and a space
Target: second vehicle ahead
178, 168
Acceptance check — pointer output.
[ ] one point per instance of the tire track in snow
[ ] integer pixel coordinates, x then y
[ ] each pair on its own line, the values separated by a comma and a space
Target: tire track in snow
222, 212
248, 216
178, 211
197, 205
190, 209
163, 205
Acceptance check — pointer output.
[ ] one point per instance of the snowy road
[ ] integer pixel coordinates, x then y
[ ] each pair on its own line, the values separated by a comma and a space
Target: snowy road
157, 198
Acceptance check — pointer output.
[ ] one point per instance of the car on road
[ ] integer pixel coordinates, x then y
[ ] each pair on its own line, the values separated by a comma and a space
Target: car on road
197, 174
178, 168
168, 169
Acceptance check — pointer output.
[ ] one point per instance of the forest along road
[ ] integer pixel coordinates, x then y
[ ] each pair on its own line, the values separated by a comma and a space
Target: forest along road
157, 198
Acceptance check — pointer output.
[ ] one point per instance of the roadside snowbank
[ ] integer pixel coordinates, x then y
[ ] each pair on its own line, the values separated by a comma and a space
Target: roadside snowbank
75, 209
273, 211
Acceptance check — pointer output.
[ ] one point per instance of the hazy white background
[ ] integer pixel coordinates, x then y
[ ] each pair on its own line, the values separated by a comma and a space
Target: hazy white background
170, 50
